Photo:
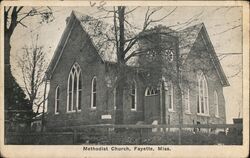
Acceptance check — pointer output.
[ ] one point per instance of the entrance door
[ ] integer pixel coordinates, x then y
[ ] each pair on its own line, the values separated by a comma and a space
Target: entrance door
152, 105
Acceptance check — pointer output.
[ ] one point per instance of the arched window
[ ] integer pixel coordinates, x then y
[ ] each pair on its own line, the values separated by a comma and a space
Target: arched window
170, 97
57, 99
133, 95
114, 91
79, 90
150, 91
216, 104
202, 107
93, 93
74, 90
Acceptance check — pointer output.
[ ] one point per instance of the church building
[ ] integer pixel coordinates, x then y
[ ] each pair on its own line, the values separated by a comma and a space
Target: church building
178, 75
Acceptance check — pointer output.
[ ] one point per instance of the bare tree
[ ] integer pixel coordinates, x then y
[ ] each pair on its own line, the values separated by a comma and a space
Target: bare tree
14, 97
33, 66
125, 37
15, 16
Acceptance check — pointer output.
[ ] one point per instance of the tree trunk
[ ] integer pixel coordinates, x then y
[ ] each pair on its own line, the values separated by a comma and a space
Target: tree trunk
14, 97
121, 68
119, 103
7, 71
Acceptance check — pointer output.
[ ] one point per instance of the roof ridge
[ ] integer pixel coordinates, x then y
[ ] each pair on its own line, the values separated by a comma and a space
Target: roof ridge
199, 24
77, 13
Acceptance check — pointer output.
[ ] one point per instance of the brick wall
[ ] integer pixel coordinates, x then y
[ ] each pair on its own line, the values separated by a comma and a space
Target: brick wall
199, 59
78, 49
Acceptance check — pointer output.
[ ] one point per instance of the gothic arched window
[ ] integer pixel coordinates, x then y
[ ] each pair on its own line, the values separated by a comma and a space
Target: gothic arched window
150, 91
57, 99
133, 95
170, 96
74, 90
93, 93
202, 107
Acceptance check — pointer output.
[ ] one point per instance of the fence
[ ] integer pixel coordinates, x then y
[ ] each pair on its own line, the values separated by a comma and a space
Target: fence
200, 134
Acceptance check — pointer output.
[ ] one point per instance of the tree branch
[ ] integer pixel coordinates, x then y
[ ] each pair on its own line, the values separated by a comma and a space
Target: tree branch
131, 10
130, 45
13, 22
164, 16
135, 53
22, 24
19, 9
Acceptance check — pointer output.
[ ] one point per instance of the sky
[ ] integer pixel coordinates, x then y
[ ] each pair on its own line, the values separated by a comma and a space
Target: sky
223, 24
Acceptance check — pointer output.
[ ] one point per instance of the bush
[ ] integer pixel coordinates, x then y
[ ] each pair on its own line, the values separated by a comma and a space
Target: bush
126, 137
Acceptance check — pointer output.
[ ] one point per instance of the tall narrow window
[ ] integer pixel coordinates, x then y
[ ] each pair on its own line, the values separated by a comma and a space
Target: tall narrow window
74, 90
93, 93
202, 106
171, 97
79, 95
114, 98
216, 104
70, 94
133, 96
57, 99
186, 100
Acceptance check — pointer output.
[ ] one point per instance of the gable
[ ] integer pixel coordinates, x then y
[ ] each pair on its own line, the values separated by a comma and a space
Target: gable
72, 27
215, 58
101, 35
203, 48
187, 38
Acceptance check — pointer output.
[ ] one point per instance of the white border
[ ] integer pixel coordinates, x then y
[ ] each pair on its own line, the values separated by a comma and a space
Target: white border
176, 151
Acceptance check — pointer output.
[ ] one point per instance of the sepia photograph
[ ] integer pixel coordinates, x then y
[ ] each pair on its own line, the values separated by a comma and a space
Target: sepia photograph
106, 77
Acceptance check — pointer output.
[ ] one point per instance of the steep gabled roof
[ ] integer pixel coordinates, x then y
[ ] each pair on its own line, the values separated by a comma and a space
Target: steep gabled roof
99, 33
60, 47
102, 36
187, 38
215, 58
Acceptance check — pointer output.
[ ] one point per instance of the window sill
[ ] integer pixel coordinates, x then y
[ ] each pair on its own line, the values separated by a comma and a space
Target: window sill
56, 113
134, 110
74, 111
188, 112
217, 116
71, 111
205, 115
151, 95
171, 110
93, 108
